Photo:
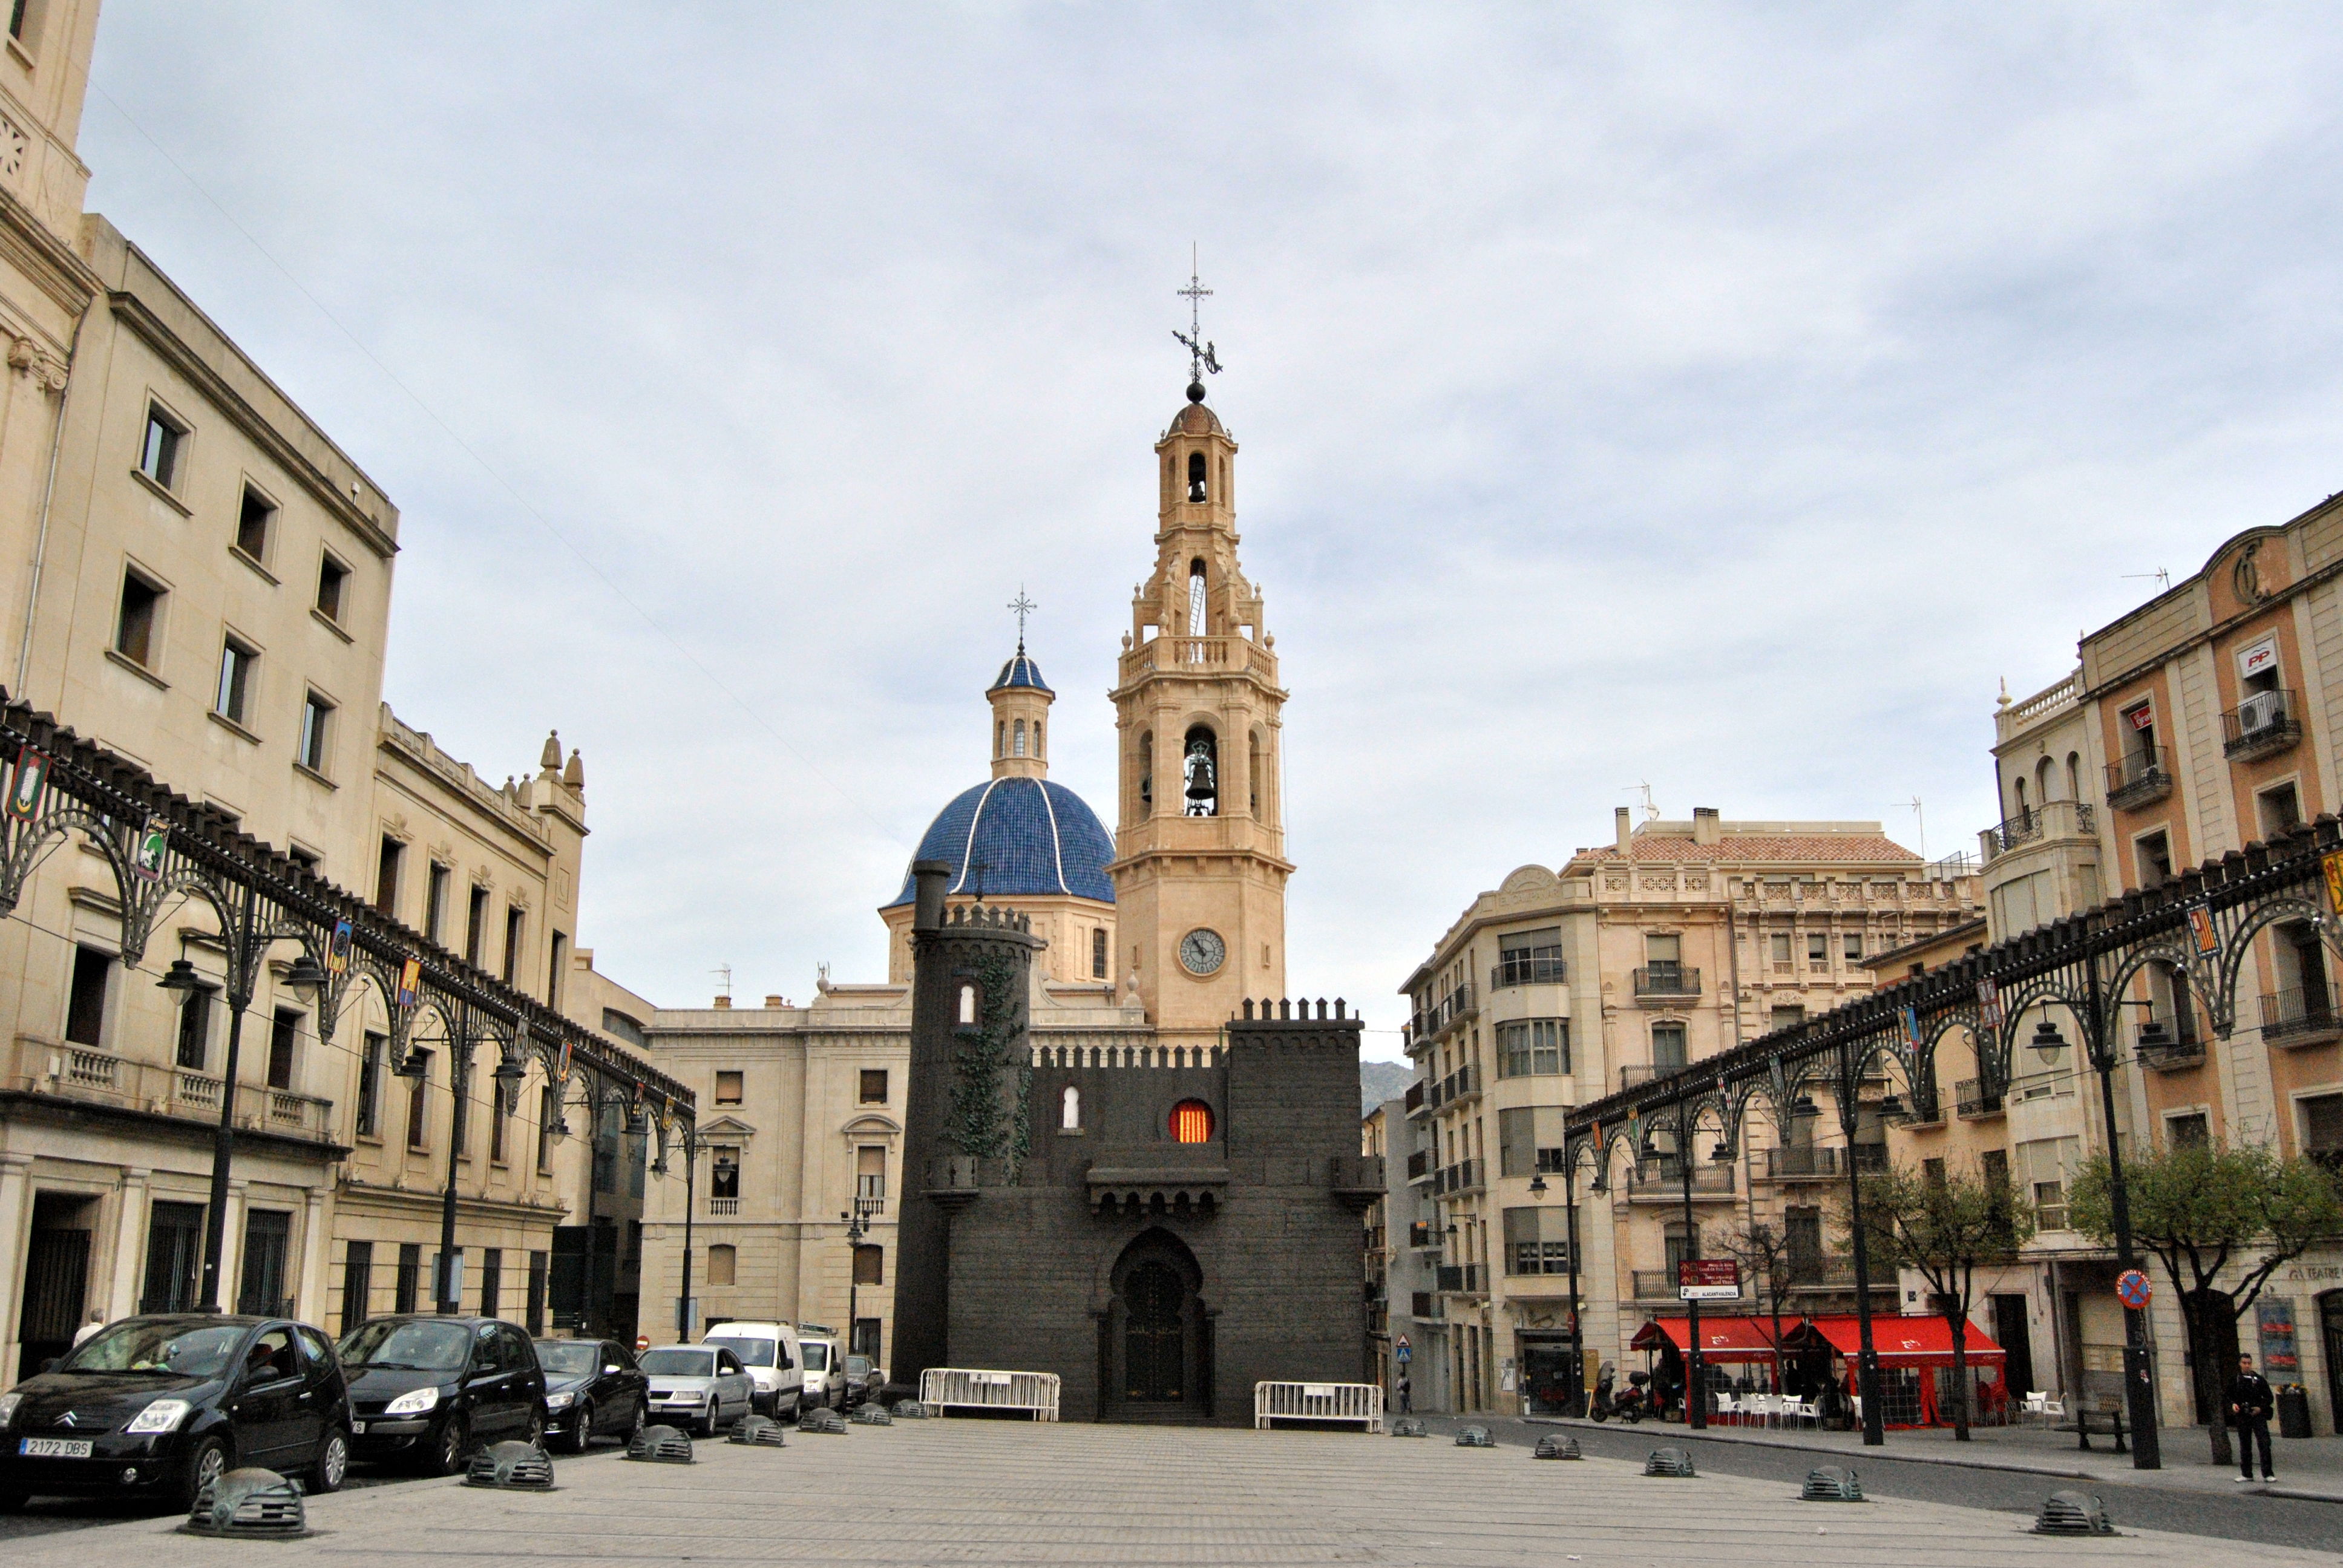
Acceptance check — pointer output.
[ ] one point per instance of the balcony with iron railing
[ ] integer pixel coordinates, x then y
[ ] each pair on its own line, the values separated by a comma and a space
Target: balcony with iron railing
1975, 1097
1462, 1279
1466, 1176
1635, 1074
1419, 1234
2052, 819
2162, 1050
1422, 1305
1661, 1178
1667, 982
2141, 779
1806, 1163
2305, 1015
1527, 969
1419, 1165
2263, 724
1415, 1106
95, 1076
1464, 1083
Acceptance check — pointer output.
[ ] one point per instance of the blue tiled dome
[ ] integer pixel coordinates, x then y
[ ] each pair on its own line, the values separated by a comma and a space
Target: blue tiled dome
1021, 670
1019, 837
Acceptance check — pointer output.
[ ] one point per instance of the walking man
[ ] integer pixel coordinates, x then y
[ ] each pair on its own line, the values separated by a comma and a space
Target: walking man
2250, 1405
1405, 1389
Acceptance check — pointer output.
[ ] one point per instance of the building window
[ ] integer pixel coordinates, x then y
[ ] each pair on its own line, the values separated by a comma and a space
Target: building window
967, 1002
1069, 1110
1529, 1139
332, 577
2279, 811
386, 876
317, 723
370, 1084
410, 1277
1668, 1046
358, 1283
727, 1088
86, 1004
2155, 853
2322, 1129
1664, 958
873, 1085
2187, 1129
512, 925
460, 1112
20, 21
870, 1265
1017, 739
1537, 1045
308, 860
158, 452
548, 1108
253, 522
435, 902
1817, 951
475, 927
1854, 947
418, 1108
536, 1272
557, 959
1777, 950
195, 1030
1097, 953
871, 1179
284, 1029
1537, 1240
492, 1280
1786, 1015
137, 625
723, 1261
1191, 1122
236, 663
498, 1116
1530, 958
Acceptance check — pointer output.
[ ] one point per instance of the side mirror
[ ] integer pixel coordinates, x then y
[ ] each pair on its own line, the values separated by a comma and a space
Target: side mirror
53, 1363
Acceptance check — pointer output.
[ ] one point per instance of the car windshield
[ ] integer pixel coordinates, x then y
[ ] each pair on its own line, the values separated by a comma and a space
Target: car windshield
859, 1365
569, 1358
408, 1346
187, 1350
752, 1352
679, 1363
817, 1354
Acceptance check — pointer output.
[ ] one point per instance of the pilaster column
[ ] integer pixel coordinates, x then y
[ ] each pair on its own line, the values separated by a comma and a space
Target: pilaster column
16, 1219
317, 1225
130, 1243
231, 1276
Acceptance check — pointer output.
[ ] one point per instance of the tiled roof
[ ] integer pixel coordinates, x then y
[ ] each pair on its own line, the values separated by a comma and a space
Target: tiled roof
1021, 670
1840, 848
1019, 837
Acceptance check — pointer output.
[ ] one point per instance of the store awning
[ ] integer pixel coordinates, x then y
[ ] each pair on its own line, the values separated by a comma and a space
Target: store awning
1899, 1342
1721, 1339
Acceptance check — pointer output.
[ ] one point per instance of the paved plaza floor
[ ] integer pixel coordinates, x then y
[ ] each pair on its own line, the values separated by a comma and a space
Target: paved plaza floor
957, 1493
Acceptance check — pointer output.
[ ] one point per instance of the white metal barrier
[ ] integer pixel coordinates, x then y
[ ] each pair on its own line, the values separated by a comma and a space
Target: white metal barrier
1359, 1402
947, 1389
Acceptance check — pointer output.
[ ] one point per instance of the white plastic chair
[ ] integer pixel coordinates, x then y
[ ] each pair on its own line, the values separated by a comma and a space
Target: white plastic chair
1727, 1405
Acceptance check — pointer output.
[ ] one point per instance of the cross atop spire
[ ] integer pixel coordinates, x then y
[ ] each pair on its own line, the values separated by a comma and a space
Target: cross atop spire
1022, 606
1200, 356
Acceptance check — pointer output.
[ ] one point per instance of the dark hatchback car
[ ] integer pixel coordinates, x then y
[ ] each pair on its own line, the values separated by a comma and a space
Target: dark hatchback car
155, 1406
427, 1390
592, 1388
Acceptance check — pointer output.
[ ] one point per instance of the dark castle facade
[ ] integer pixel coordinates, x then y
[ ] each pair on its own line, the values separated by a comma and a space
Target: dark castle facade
1162, 1231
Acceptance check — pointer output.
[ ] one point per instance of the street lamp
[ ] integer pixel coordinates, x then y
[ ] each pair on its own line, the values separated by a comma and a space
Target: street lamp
2147, 1450
855, 1231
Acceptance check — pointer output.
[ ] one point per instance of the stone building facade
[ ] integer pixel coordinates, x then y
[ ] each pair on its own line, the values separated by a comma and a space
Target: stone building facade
1676, 942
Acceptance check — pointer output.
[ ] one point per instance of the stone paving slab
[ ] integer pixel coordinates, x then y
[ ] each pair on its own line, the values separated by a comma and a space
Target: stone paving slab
955, 1493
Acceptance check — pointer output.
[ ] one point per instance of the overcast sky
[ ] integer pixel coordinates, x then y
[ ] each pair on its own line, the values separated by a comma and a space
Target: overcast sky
1726, 397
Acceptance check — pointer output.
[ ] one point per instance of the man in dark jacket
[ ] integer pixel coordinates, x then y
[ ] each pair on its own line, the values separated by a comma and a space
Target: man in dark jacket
2250, 1404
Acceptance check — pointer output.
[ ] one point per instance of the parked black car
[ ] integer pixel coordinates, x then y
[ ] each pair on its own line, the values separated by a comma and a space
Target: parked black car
864, 1378
155, 1406
592, 1388
426, 1389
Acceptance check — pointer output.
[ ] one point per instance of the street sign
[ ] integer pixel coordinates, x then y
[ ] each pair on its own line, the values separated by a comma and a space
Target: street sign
642, 1344
1708, 1280
2132, 1290
1403, 1351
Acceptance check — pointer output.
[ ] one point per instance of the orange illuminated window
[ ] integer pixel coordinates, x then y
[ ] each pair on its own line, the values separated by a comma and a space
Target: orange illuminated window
1191, 1122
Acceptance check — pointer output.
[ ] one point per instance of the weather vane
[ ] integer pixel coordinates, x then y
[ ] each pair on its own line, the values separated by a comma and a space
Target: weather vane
1023, 607
1201, 358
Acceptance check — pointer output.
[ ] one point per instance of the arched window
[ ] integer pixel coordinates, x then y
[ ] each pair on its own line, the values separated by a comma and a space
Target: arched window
1070, 1108
724, 1176
1200, 773
1252, 773
722, 1260
1191, 1122
1097, 953
1000, 739
2074, 775
1146, 772
1017, 739
2019, 784
967, 1002
1197, 620
1037, 739
2046, 777
1195, 476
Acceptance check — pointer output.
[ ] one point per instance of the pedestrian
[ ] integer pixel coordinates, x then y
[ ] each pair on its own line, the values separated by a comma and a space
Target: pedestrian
96, 1321
1406, 1389
2250, 1404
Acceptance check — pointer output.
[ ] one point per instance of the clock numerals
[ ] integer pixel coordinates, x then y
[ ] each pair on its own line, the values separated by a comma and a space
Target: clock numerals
1202, 952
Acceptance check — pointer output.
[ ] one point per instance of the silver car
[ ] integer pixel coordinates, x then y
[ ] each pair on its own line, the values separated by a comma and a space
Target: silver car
697, 1387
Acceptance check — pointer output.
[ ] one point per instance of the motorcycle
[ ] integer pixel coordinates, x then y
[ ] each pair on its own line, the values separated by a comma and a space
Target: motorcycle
1630, 1407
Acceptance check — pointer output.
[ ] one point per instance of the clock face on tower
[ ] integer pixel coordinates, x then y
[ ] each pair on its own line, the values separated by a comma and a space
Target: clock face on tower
1202, 952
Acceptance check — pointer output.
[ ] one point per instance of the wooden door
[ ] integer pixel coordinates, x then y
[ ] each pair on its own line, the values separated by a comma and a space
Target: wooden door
1154, 1333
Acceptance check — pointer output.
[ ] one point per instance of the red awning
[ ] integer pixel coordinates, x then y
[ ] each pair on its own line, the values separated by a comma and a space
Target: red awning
1721, 1339
1900, 1341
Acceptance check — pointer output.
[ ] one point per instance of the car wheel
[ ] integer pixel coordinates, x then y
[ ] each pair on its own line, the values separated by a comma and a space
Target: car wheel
642, 1418
332, 1461
535, 1436
447, 1457
207, 1463
582, 1434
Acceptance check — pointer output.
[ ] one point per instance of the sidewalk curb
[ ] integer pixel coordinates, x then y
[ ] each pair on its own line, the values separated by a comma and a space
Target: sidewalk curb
2009, 1467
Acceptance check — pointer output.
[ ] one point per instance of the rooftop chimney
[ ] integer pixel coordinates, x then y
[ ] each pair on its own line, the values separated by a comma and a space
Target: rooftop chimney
1626, 831
1705, 829
775, 1001
724, 1004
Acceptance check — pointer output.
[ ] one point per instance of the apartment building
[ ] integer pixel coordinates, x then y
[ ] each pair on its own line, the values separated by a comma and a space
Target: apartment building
1677, 940
2202, 721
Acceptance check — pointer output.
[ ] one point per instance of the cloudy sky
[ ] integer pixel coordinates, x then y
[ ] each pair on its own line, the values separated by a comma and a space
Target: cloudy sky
1722, 397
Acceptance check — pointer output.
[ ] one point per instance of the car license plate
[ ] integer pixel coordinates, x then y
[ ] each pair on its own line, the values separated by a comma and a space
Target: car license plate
53, 1447
358, 1429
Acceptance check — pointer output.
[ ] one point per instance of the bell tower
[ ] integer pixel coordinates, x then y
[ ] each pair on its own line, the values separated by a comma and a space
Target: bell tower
1199, 865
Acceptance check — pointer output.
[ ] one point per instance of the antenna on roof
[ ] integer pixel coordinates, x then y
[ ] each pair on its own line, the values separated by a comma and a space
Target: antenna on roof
2162, 579
1920, 819
1650, 811
726, 971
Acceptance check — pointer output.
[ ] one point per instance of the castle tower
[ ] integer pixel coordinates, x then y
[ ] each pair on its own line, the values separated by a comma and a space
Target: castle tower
1200, 865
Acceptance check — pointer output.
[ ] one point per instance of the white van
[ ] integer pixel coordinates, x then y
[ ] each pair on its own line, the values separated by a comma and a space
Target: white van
776, 1364
825, 1367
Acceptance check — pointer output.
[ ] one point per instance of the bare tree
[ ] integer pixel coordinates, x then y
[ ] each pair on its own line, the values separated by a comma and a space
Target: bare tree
1774, 1267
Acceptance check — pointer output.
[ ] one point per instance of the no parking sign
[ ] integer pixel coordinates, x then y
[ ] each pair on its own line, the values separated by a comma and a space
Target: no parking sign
2132, 1290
